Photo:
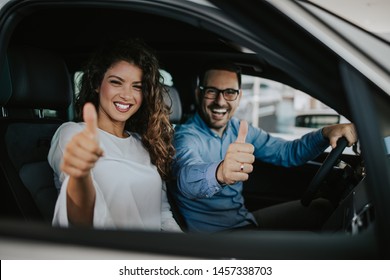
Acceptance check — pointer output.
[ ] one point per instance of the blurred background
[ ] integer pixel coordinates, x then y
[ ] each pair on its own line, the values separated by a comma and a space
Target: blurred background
290, 113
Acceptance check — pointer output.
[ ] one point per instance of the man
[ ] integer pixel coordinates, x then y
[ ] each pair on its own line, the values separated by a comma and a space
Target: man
215, 153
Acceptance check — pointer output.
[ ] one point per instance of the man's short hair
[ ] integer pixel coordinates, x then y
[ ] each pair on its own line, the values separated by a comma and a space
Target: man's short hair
220, 65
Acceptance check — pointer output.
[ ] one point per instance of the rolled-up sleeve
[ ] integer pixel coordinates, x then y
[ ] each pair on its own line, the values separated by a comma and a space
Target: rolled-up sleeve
58, 143
63, 135
196, 178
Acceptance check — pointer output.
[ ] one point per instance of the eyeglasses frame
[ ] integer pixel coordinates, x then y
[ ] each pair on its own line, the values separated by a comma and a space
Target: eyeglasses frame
219, 91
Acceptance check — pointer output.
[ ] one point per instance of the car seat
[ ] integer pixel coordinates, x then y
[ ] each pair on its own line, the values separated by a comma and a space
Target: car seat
31, 80
173, 101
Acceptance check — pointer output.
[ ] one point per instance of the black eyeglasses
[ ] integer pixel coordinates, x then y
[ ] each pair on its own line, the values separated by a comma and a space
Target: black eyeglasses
229, 94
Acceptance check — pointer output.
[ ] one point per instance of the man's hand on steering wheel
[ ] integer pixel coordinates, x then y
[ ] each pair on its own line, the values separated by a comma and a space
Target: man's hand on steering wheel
335, 132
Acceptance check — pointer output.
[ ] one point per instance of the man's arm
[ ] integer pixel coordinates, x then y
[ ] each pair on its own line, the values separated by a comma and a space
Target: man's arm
297, 152
195, 176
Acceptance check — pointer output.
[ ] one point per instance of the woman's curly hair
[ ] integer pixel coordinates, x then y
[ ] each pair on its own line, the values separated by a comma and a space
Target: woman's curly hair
151, 121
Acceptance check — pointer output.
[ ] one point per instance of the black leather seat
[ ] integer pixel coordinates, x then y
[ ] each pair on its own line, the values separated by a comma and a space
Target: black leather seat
31, 81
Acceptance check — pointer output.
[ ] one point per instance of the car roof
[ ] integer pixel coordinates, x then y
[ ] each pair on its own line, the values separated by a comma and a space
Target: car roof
184, 37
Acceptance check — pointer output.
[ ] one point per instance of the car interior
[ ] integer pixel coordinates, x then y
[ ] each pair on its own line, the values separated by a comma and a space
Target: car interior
47, 45
26, 135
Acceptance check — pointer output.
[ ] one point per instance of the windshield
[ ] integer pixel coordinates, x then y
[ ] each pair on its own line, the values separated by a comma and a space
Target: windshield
371, 15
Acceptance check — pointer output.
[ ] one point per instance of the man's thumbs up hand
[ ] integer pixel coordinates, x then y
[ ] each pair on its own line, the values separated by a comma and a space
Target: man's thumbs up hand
242, 132
238, 159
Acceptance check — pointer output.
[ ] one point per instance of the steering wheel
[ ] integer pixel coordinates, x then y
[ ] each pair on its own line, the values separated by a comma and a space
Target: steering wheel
323, 171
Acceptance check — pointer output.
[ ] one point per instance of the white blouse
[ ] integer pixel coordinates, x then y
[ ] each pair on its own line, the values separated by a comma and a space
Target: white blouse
129, 191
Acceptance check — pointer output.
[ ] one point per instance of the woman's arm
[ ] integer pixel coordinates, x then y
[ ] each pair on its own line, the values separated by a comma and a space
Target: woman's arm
80, 156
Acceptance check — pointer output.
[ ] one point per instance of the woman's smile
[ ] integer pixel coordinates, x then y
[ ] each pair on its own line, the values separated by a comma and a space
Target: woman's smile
122, 107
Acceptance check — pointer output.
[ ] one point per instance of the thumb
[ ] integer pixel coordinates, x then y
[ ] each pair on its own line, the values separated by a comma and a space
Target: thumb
242, 132
333, 142
90, 119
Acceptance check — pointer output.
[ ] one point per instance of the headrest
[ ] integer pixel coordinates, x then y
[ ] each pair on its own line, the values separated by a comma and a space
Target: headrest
173, 100
39, 80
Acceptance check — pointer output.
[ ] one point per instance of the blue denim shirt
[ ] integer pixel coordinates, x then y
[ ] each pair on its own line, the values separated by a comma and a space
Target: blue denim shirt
205, 204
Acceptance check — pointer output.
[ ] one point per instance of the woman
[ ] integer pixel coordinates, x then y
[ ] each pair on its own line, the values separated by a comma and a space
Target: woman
111, 167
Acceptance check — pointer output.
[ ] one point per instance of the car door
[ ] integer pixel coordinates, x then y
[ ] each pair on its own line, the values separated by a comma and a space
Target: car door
360, 80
